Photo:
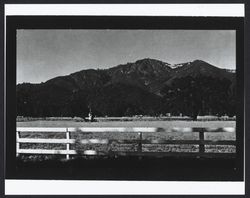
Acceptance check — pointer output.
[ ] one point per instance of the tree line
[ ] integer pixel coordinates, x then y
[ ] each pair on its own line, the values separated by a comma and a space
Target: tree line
189, 96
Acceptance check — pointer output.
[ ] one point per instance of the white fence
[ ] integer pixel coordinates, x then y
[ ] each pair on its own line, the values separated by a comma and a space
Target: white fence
139, 130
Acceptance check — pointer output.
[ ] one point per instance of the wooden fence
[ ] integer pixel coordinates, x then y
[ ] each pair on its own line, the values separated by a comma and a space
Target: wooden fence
140, 141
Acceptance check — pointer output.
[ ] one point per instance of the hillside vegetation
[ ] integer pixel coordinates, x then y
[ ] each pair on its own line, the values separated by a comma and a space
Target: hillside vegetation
145, 87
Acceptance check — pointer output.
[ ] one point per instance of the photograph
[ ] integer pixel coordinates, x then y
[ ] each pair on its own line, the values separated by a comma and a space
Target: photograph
146, 100
108, 93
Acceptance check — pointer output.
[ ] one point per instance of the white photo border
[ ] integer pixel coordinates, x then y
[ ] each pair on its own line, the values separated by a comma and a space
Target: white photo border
85, 187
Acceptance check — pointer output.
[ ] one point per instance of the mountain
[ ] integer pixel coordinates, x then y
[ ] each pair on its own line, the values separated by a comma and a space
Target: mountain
147, 86
199, 68
147, 74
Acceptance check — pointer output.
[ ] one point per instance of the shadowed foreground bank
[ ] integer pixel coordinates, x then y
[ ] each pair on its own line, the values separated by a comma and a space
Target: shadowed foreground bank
133, 168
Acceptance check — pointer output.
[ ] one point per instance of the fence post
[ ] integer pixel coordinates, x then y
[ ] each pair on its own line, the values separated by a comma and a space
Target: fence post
201, 145
17, 143
67, 145
140, 142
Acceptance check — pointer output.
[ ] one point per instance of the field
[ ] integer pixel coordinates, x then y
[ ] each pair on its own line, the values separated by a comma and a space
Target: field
130, 167
131, 136
161, 124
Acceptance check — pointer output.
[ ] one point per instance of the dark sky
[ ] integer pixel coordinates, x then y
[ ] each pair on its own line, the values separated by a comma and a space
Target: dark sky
44, 54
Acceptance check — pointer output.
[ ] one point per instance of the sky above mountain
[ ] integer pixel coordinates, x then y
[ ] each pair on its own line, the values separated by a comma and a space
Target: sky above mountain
44, 54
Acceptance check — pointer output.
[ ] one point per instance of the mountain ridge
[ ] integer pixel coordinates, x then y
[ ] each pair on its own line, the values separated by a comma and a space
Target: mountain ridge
168, 66
150, 79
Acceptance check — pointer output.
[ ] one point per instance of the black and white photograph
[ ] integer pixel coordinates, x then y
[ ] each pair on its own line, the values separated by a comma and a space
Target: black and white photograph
125, 98
111, 93
103, 88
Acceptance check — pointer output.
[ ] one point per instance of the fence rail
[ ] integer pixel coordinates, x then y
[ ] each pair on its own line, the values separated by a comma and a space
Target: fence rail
201, 142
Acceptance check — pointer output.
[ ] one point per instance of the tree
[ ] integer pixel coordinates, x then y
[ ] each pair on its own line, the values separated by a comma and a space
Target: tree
193, 96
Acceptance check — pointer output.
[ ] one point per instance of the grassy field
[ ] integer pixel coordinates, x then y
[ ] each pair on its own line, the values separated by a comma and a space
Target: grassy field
161, 124
131, 136
130, 167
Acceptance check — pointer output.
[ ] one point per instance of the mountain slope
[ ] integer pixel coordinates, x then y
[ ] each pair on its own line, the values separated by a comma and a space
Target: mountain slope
143, 73
147, 86
199, 68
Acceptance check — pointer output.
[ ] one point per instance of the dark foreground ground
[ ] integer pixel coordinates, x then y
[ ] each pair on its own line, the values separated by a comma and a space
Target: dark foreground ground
133, 168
